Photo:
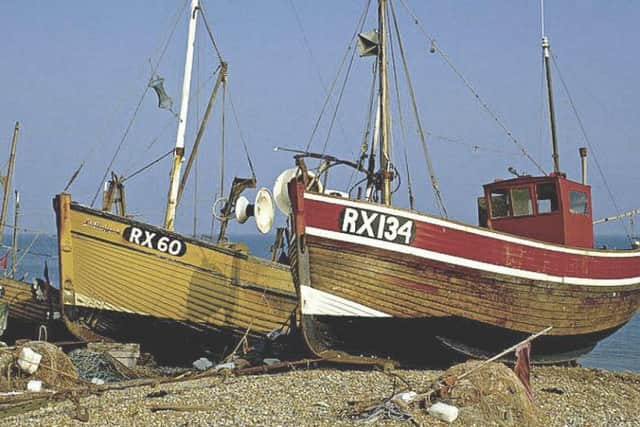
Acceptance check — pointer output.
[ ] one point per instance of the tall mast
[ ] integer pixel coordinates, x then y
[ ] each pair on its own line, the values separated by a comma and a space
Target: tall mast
6, 180
552, 115
384, 104
14, 245
178, 154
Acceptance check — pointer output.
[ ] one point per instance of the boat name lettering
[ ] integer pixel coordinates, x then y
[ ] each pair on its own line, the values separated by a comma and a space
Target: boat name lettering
376, 225
99, 226
155, 240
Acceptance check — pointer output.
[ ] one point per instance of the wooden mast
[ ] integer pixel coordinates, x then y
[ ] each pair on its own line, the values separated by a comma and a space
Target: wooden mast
178, 156
552, 115
6, 180
14, 245
384, 105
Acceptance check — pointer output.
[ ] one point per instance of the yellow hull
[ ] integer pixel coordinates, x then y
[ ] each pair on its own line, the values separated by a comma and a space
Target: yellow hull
109, 262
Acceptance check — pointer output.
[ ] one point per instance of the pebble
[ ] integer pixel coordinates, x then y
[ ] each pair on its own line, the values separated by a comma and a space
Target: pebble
318, 397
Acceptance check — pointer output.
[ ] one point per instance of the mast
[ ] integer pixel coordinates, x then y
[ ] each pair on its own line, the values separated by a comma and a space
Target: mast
552, 115
178, 154
6, 180
14, 245
384, 104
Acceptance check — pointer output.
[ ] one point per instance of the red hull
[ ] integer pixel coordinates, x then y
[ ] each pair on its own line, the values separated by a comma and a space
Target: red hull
354, 259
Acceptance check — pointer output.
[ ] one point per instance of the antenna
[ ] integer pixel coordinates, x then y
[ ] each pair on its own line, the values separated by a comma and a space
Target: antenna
542, 16
552, 115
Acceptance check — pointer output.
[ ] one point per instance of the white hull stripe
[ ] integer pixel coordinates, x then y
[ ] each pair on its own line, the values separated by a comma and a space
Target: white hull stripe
470, 229
464, 262
87, 301
315, 302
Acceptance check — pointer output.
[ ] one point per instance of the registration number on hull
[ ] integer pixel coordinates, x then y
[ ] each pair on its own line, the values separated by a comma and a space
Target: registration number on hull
376, 225
155, 240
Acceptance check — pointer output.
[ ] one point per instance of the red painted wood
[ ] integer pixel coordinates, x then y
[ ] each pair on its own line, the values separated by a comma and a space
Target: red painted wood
561, 226
487, 249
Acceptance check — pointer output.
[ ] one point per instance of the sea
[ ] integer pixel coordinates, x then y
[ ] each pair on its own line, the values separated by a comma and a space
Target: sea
37, 256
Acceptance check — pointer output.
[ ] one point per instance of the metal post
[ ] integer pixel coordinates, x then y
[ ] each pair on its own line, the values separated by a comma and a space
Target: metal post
552, 115
583, 158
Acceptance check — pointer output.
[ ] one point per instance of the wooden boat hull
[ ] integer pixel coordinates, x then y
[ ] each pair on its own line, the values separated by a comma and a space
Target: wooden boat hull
27, 310
23, 305
473, 288
114, 264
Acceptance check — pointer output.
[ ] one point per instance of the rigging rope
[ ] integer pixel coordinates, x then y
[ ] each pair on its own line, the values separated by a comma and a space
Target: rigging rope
135, 113
469, 86
365, 133
142, 169
307, 46
403, 129
338, 101
26, 251
333, 83
586, 138
434, 180
213, 40
244, 144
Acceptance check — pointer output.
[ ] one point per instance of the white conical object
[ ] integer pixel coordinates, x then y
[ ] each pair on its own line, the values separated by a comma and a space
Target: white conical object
281, 190
263, 210
242, 208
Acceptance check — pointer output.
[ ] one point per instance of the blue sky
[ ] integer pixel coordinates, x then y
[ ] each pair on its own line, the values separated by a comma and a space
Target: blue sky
73, 72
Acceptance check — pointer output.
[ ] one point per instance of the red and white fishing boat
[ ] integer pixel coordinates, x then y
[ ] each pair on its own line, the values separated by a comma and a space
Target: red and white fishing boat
370, 276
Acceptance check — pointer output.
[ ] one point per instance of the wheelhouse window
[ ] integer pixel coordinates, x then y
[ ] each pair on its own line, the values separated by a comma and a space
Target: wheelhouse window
547, 198
500, 203
521, 202
578, 202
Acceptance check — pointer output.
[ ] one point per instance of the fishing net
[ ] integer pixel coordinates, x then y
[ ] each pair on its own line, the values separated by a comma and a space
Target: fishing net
55, 369
92, 365
491, 393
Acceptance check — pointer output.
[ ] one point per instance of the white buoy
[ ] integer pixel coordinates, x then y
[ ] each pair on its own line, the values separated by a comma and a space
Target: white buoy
34, 385
29, 360
443, 412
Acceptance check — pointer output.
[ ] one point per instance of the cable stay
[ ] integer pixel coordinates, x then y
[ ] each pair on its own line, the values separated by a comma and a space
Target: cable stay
434, 180
435, 48
137, 109
350, 49
403, 130
590, 145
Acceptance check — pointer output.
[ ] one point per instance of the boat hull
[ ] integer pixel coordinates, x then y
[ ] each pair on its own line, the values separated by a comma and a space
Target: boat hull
475, 290
113, 264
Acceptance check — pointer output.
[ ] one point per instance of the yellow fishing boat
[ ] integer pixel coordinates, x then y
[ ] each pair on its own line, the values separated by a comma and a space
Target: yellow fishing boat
112, 265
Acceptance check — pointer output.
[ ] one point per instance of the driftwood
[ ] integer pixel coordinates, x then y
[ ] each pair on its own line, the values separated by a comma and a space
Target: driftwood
120, 367
17, 404
179, 408
263, 369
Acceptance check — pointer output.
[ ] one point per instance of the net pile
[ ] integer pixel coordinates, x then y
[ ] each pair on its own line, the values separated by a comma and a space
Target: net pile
492, 393
92, 365
55, 369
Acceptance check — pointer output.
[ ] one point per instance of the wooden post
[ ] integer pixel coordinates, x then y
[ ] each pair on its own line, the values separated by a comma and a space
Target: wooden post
14, 245
385, 151
6, 180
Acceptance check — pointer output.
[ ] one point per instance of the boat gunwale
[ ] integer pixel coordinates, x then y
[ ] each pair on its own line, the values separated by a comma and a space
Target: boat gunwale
201, 243
474, 229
